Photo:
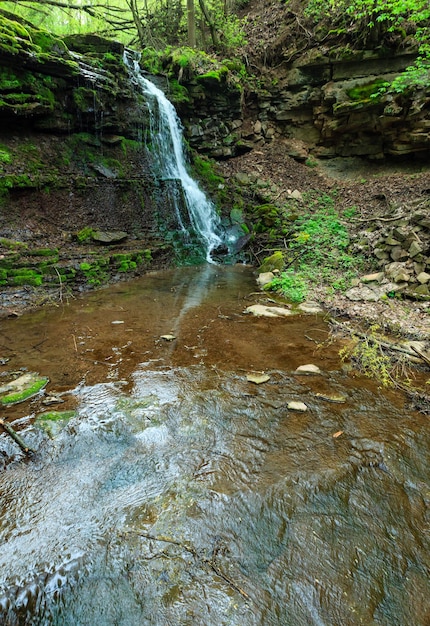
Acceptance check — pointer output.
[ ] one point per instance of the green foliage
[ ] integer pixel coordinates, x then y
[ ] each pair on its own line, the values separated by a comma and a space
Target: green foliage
5, 156
85, 234
377, 21
317, 248
291, 285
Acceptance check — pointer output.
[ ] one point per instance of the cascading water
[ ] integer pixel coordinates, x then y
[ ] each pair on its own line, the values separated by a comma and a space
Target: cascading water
168, 149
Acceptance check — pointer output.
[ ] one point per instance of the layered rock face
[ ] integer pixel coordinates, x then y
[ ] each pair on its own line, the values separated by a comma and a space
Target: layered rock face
335, 105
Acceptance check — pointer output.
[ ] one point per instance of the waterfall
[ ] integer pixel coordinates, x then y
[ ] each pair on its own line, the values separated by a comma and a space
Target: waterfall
168, 150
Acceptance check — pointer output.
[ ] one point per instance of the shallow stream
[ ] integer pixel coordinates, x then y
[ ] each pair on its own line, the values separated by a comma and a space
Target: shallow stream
182, 494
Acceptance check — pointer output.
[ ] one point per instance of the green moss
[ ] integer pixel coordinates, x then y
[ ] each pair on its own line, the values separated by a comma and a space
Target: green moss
214, 76
85, 234
275, 261
366, 91
178, 93
44, 252
25, 276
11, 244
86, 99
20, 396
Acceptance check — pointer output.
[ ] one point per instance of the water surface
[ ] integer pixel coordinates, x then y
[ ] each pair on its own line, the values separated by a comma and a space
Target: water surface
181, 493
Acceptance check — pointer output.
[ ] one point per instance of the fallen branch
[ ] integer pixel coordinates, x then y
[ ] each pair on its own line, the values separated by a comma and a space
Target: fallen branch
384, 344
421, 355
208, 562
17, 438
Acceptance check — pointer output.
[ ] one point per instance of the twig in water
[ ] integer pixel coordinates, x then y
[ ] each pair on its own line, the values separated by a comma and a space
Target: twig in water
208, 562
17, 438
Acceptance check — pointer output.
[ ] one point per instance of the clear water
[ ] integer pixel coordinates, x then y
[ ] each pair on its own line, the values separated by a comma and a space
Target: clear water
167, 149
181, 494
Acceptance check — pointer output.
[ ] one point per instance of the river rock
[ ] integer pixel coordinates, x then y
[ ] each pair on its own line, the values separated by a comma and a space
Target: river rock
310, 307
257, 378
310, 368
295, 405
265, 278
261, 310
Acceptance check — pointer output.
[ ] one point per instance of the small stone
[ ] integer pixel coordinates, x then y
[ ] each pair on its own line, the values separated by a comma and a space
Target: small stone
258, 379
168, 337
415, 249
328, 397
115, 322
257, 127
423, 278
310, 307
390, 241
310, 368
296, 194
297, 406
376, 277
402, 277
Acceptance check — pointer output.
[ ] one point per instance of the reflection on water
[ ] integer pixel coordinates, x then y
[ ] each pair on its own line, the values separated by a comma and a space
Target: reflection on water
182, 494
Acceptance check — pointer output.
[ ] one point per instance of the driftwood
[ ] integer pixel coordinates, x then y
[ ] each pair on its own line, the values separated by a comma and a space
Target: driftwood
202, 559
17, 438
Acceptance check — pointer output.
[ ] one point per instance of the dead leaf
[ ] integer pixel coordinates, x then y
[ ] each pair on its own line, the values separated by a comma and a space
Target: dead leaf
338, 434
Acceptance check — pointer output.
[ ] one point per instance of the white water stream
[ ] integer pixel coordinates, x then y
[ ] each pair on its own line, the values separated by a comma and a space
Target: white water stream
168, 150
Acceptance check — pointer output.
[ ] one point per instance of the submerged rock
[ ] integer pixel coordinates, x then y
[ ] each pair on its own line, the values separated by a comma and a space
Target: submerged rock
262, 310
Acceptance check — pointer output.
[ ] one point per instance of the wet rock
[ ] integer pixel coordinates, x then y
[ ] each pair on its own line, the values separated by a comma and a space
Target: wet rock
295, 405
53, 422
22, 388
265, 278
257, 378
310, 368
261, 310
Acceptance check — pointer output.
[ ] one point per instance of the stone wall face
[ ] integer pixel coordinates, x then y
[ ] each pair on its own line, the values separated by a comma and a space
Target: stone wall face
330, 106
333, 106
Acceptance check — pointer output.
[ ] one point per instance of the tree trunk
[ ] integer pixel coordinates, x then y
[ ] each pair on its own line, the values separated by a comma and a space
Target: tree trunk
191, 22
210, 23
